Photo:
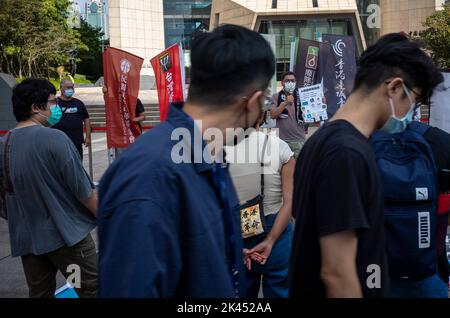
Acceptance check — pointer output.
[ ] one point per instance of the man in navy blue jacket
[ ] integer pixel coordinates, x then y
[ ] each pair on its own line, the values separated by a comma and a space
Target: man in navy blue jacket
169, 215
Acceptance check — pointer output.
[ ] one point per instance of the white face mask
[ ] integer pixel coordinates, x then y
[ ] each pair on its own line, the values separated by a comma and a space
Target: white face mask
290, 87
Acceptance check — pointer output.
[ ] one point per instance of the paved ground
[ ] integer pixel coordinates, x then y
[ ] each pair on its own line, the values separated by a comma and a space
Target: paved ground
12, 279
99, 156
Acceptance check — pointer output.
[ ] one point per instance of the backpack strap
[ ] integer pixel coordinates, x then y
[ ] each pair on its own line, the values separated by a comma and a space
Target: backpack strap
419, 127
266, 139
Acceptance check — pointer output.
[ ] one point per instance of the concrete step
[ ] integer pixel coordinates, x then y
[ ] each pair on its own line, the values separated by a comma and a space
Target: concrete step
98, 115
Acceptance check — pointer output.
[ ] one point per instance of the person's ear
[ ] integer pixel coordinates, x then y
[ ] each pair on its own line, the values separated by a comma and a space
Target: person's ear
254, 101
395, 88
35, 109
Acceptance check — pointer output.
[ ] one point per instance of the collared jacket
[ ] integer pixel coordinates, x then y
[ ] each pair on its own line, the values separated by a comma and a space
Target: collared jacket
162, 224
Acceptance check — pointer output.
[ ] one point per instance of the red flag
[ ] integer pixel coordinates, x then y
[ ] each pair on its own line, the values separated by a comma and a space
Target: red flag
122, 77
169, 75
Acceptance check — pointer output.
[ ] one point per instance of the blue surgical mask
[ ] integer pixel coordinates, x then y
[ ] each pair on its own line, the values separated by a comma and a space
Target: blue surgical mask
396, 125
55, 117
69, 92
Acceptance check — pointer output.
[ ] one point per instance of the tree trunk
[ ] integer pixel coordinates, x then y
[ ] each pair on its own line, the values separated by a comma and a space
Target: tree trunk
48, 69
20, 67
9, 70
29, 67
6, 63
2, 61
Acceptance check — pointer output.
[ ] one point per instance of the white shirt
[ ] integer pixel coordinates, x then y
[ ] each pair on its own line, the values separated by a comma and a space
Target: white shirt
245, 169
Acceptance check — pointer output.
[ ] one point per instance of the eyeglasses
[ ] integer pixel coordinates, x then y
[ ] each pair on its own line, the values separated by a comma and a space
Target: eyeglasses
290, 81
52, 102
418, 104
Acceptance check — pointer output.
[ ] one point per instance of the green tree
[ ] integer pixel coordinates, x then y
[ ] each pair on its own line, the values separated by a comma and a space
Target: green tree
436, 36
90, 54
34, 35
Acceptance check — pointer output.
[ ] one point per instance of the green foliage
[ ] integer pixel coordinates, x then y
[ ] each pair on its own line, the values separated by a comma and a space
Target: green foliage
437, 36
35, 38
90, 55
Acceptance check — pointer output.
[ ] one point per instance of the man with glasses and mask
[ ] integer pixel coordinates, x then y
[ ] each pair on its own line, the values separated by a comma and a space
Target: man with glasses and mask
51, 205
74, 117
339, 242
169, 214
287, 112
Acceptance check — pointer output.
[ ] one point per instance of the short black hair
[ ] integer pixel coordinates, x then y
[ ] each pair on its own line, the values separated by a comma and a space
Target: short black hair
228, 62
28, 93
283, 76
396, 55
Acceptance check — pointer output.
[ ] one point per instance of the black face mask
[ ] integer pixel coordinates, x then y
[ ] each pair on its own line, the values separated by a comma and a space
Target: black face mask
247, 125
255, 125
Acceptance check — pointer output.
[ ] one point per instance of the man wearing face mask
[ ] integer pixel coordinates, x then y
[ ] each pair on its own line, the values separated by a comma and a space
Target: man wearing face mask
169, 215
74, 117
287, 112
50, 201
339, 242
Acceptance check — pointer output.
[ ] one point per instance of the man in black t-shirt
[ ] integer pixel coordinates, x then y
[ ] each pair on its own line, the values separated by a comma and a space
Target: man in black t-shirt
140, 113
75, 117
338, 248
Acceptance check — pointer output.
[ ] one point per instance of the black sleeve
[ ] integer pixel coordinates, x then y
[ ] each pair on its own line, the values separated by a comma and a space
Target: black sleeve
84, 110
339, 194
439, 141
139, 108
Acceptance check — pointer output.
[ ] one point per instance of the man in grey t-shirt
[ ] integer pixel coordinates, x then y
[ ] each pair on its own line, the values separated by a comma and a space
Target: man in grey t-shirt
286, 111
50, 200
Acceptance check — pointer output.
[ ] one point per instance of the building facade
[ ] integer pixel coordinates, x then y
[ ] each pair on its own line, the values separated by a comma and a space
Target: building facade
146, 27
137, 26
96, 16
183, 18
407, 15
288, 19
370, 16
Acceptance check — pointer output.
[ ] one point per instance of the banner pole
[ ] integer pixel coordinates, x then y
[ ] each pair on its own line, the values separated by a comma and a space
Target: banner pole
292, 53
110, 156
91, 168
183, 71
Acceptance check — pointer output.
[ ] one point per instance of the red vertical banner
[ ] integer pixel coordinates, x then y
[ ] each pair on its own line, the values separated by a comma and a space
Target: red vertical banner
169, 75
122, 78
